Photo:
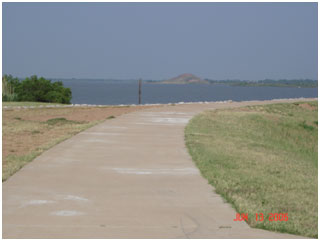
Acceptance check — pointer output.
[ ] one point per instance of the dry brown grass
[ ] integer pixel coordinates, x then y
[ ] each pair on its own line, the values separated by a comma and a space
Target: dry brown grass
308, 106
26, 133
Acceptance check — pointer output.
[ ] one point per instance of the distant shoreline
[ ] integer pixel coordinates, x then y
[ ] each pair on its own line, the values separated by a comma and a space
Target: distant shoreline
294, 83
244, 83
47, 105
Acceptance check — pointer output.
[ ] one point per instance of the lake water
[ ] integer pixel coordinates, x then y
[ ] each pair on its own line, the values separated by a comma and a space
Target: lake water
104, 93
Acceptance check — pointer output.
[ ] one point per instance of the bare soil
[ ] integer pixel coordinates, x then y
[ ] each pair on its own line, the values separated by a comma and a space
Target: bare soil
26, 130
307, 106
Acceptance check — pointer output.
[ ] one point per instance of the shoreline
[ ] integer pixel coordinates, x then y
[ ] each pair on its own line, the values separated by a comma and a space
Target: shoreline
155, 104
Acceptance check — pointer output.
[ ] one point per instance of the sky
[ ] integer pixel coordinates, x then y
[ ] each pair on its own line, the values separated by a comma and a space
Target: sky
247, 41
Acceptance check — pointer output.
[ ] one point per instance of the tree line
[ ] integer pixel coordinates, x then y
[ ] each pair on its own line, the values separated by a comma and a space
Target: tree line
34, 89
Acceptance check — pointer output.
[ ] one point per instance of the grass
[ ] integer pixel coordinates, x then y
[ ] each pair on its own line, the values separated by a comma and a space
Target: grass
262, 159
62, 121
9, 104
26, 133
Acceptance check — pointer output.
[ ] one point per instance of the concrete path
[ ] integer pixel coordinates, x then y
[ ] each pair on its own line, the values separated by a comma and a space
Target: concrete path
129, 177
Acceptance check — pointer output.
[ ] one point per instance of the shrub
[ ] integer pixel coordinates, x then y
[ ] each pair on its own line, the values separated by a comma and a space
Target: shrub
39, 89
306, 126
8, 93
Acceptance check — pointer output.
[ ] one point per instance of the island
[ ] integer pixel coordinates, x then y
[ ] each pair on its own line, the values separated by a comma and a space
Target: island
192, 79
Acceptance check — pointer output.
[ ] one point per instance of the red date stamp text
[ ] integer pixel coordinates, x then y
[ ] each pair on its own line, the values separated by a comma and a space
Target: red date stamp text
272, 217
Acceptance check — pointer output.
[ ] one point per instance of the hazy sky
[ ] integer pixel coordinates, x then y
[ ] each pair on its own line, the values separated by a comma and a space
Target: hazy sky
160, 40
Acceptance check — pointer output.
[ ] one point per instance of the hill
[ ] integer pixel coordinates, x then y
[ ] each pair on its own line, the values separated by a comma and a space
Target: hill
185, 79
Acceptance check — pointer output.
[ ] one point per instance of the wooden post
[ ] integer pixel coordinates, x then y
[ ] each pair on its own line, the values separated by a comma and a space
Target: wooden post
139, 91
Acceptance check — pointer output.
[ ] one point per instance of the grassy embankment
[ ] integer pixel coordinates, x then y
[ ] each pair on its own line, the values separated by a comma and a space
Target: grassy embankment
26, 133
262, 159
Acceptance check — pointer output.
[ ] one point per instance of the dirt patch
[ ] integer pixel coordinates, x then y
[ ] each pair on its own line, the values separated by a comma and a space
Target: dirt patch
308, 106
27, 130
72, 113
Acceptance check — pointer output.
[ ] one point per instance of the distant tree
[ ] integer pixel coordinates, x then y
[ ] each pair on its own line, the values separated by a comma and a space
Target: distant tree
40, 90
59, 94
8, 88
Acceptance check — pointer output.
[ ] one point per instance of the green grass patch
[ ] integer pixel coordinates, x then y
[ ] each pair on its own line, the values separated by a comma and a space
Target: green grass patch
61, 121
304, 125
262, 159
35, 132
